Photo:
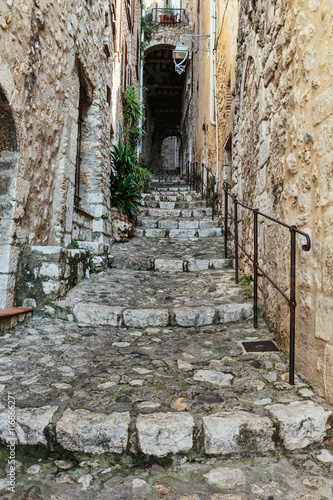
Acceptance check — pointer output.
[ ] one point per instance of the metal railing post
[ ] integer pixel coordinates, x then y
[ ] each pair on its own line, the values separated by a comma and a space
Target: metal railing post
213, 198
255, 264
202, 180
226, 221
292, 305
236, 240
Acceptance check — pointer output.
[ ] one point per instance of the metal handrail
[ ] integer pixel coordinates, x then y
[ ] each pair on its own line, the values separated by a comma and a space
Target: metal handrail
209, 187
181, 16
292, 299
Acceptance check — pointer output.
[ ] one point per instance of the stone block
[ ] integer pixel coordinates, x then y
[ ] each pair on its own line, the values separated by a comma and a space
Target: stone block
30, 424
210, 233
149, 223
163, 433
182, 233
93, 247
169, 265
50, 270
141, 318
194, 316
202, 212
168, 224
97, 314
219, 263
322, 106
207, 224
188, 224
167, 204
47, 253
88, 432
237, 432
155, 233
186, 213
324, 326
301, 423
235, 312
198, 265
328, 373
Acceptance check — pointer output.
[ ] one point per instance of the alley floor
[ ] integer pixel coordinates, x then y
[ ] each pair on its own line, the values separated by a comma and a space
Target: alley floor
139, 387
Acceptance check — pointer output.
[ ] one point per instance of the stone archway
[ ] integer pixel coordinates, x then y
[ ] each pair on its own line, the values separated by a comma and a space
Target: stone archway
8, 178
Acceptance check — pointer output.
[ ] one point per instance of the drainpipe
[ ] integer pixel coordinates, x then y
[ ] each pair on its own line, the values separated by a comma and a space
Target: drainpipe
141, 90
213, 86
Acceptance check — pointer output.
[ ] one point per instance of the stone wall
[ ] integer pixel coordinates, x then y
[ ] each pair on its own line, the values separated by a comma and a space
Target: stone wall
226, 49
57, 57
283, 159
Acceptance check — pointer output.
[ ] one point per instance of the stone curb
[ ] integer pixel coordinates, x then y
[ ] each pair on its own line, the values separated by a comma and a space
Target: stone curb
90, 313
160, 434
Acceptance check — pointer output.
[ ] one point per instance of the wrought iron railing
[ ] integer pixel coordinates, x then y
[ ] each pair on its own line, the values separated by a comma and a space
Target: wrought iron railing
254, 259
170, 16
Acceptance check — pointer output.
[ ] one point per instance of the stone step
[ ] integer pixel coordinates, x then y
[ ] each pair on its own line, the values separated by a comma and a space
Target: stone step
176, 254
174, 204
168, 265
178, 233
165, 196
10, 317
141, 298
148, 223
159, 434
165, 212
155, 391
170, 188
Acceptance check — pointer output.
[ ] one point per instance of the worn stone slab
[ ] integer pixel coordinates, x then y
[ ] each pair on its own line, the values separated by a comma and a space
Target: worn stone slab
89, 432
210, 232
198, 265
30, 425
237, 432
188, 224
235, 312
168, 224
141, 318
182, 233
154, 233
219, 263
163, 433
91, 313
226, 477
169, 265
301, 423
213, 377
194, 316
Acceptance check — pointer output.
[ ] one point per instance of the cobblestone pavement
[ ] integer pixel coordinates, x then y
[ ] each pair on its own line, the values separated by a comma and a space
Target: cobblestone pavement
166, 411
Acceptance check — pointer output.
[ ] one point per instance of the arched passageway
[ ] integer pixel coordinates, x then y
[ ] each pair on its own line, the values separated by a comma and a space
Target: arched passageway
8, 178
164, 102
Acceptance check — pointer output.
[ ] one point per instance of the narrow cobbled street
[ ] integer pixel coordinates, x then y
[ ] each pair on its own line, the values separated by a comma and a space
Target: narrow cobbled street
139, 386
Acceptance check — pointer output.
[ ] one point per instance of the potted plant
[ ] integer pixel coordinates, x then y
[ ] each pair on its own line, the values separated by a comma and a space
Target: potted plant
169, 15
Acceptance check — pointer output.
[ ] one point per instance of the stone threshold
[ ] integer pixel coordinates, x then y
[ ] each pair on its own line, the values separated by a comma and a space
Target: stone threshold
10, 317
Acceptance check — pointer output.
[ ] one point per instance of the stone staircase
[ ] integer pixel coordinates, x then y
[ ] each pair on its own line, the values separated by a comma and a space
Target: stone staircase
144, 364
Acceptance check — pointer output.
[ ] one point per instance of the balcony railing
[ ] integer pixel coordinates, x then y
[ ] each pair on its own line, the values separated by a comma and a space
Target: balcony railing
169, 16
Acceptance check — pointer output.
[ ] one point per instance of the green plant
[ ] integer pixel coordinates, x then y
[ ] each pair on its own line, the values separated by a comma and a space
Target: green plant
246, 280
73, 245
148, 27
169, 13
133, 114
142, 178
123, 158
124, 194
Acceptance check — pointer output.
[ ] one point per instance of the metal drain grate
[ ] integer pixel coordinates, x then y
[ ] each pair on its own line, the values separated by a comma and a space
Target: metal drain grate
260, 346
